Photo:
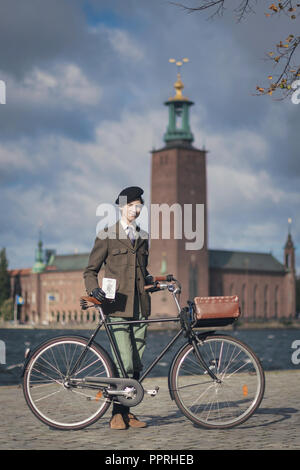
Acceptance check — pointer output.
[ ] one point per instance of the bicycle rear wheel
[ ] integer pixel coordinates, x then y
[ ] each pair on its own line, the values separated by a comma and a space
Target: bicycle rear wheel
49, 393
218, 405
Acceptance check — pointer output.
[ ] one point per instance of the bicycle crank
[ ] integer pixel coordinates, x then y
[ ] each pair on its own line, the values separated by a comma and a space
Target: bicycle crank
152, 393
129, 392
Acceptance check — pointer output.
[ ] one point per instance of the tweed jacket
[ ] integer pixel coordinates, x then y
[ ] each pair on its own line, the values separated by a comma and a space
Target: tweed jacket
123, 262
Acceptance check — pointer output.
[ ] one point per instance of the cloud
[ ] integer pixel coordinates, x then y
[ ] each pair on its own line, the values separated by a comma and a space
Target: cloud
57, 99
248, 208
61, 86
59, 182
37, 32
69, 179
122, 43
66, 85
85, 107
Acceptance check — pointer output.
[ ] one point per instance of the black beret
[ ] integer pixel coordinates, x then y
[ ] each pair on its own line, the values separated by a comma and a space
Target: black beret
132, 193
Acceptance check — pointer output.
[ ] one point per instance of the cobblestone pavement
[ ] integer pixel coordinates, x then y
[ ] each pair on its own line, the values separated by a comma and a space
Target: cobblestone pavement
276, 425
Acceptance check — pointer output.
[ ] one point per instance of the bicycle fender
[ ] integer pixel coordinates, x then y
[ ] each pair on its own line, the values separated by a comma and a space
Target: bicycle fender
201, 335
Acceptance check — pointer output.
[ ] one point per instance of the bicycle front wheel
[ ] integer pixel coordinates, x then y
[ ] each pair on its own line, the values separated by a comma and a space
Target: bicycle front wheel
49, 392
209, 403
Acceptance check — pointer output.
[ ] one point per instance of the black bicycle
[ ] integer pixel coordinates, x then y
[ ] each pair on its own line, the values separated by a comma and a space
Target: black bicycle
217, 381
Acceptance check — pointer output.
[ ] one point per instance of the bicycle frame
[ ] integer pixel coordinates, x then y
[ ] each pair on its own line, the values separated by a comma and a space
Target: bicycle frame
157, 359
192, 338
209, 400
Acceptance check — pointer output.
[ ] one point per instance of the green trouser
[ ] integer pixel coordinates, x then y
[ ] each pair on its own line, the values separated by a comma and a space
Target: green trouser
131, 342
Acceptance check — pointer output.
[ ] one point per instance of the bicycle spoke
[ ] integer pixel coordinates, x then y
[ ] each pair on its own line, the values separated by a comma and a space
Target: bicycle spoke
86, 367
52, 367
227, 402
47, 396
49, 392
37, 371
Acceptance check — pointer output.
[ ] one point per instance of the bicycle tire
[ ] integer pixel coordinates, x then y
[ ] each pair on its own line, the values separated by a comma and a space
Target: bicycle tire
45, 392
218, 405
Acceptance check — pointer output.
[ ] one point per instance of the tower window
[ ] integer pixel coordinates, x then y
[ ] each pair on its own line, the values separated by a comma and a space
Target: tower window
163, 159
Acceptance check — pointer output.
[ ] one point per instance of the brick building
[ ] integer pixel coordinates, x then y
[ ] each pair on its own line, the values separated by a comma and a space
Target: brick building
266, 287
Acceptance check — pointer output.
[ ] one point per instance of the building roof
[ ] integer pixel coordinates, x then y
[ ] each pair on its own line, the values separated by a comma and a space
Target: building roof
73, 262
22, 271
242, 260
218, 259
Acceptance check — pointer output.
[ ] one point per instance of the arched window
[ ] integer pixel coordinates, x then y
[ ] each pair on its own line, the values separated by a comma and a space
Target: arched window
276, 300
287, 260
32, 315
243, 297
220, 288
255, 301
266, 301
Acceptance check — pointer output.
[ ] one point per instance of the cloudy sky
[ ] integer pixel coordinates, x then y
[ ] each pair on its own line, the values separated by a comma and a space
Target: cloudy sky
85, 86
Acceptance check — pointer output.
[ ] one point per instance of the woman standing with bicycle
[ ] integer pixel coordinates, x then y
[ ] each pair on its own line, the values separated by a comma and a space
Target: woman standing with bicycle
124, 249
216, 380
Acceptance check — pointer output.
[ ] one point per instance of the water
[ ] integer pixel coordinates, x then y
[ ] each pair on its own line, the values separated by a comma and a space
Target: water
273, 347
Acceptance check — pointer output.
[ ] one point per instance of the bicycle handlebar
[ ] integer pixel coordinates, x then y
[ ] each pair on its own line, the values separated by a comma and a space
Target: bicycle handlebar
153, 287
168, 278
159, 285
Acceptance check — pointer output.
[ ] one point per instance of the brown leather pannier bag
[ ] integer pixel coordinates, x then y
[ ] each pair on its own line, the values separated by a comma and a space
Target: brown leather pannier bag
217, 307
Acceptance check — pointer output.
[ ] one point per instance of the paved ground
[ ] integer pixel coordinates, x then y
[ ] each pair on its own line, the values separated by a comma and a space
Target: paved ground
276, 425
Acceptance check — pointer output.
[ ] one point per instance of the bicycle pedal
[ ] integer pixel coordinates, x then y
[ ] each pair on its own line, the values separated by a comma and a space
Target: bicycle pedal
152, 393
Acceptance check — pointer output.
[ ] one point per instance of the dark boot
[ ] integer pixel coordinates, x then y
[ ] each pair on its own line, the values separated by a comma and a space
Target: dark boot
136, 375
117, 422
119, 409
131, 420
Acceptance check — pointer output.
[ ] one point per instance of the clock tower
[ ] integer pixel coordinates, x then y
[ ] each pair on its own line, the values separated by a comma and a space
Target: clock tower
179, 208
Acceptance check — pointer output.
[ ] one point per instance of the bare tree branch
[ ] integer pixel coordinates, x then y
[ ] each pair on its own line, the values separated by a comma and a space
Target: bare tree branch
285, 52
244, 9
219, 4
289, 73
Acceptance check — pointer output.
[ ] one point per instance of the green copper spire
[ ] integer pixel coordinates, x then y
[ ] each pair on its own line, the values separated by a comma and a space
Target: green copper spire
39, 264
178, 110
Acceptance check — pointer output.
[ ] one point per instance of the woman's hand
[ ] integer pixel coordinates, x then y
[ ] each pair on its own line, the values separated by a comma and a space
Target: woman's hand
98, 293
